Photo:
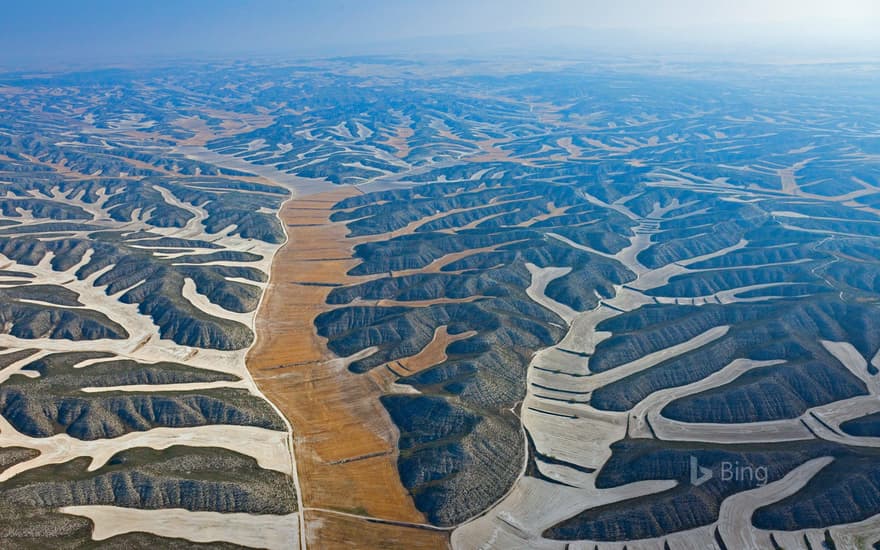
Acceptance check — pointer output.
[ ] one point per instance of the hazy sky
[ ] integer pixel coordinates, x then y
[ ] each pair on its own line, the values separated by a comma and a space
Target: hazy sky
86, 29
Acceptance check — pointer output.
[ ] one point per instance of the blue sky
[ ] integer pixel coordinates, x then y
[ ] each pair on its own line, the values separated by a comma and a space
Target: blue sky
59, 30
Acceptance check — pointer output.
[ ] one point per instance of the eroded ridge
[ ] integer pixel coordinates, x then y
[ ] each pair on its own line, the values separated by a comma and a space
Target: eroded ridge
130, 282
621, 302
513, 306
603, 282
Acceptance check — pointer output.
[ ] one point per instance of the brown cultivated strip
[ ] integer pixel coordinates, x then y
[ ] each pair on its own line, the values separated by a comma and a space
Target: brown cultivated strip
432, 354
427, 303
345, 442
231, 124
553, 211
331, 530
400, 141
490, 152
437, 265
573, 150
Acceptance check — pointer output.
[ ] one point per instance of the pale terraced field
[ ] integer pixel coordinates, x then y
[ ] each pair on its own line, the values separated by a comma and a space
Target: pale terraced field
144, 343
416, 305
166, 378
555, 417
